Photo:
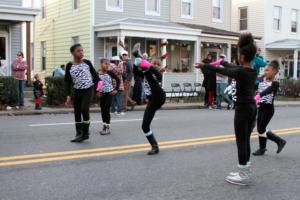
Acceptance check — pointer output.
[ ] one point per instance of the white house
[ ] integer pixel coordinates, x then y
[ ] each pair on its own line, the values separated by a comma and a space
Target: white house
277, 22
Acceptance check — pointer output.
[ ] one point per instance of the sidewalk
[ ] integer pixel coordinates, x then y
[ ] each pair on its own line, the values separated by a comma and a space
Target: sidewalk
29, 108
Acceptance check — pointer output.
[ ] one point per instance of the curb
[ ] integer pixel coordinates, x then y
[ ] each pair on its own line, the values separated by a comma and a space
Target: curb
95, 110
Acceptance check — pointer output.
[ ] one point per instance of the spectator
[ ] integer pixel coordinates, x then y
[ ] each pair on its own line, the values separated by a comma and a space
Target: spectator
19, 67
117, 68
59, 71
222, 83
38, 91
208, 83
128, 75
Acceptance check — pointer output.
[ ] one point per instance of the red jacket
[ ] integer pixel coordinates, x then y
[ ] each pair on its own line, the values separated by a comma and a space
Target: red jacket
18, 68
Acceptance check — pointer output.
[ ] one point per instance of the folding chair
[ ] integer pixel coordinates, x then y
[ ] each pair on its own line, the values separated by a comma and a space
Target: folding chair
188, 90
176, 91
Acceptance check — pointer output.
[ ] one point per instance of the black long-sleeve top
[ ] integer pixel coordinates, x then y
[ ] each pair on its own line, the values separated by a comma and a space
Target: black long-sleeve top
244, 81
268, 90
80, 76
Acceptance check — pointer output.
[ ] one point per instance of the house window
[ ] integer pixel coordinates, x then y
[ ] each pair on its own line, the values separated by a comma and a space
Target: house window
75, 40
217, 10
43, 55
187, 9
43, 9
152, 7
114, 5
294, 25
75, 5
243, 19
277, 18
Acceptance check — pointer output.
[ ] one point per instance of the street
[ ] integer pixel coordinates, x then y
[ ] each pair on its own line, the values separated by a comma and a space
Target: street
38, 162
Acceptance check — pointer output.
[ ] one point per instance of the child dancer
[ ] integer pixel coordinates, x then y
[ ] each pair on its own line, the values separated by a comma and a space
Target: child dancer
245, 112
83, 79
38, 91
267, 90
154, 93
106, 93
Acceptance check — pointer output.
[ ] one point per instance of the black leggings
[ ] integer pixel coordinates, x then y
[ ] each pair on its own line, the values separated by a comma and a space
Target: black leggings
265, 114
105, 104
81, 103
156, 100
244, 122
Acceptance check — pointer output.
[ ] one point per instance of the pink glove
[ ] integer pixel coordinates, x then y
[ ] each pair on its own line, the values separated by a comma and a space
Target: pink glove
99, 86
218, 62
257, 98
145, 64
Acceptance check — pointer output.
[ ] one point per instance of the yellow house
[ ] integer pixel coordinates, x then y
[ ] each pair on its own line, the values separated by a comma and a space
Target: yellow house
59, 25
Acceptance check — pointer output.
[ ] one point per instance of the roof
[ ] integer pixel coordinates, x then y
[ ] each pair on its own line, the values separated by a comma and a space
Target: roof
147, 28
17, 13
285, 44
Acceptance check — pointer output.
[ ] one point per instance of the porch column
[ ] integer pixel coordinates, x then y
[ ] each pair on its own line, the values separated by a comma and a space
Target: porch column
229, 53
197, 55
164, 51
121, 39
295, 63
28, 52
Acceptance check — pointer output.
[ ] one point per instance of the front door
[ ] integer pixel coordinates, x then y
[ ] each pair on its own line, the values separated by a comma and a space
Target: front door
4, 68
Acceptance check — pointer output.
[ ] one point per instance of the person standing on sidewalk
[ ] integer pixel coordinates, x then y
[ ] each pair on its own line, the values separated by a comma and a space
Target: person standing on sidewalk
38, 91
82, 78
266, 93
222, 83
205, 79
128, 75
116, 107
106, 93
19, 67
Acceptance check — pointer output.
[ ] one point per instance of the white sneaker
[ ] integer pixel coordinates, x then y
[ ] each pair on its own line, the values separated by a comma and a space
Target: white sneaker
240, 178
236, 173
17, 107
8, 108
122, 113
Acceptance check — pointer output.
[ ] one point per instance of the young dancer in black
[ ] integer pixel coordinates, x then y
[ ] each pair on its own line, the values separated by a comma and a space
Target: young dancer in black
83, 79
154, 92
267, 90
245, 112
107, 91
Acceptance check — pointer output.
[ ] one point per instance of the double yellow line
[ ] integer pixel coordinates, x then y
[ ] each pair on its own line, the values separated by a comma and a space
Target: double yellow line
118, 150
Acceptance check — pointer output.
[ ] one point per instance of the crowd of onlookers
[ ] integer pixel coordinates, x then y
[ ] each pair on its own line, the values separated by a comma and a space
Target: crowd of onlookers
215, 87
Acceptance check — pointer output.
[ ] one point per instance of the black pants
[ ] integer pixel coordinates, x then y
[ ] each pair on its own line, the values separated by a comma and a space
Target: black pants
81, 101
137, 89
265, 114
156, 100
244, 122
105, 104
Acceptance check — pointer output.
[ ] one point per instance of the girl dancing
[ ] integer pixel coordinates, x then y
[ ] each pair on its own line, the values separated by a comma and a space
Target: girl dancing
83, 79
267, 90
154, 93
245, 107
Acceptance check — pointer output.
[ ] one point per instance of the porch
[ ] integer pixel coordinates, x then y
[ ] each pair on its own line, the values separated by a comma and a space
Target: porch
11, 22
288, 53
183, 45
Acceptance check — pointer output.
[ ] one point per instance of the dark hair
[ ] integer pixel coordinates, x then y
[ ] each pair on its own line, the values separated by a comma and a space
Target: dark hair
102, 60
275, 65
62, 66
20, 53
247, 46
74, 46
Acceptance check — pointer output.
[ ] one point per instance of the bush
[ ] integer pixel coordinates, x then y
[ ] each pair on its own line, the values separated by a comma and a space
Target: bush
55, 89
290, 88
8, 91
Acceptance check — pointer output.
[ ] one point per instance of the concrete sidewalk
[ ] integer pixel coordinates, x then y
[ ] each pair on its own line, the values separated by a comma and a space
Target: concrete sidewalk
29, 108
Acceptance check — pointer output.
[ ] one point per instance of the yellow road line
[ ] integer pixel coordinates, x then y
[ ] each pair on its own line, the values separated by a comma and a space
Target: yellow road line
119, 152
63, 153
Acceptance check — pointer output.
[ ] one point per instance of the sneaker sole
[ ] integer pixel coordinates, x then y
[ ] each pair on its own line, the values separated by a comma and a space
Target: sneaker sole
235, 183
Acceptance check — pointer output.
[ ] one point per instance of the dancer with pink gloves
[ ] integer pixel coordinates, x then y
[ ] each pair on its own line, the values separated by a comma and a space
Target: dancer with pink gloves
267, 90
155, 94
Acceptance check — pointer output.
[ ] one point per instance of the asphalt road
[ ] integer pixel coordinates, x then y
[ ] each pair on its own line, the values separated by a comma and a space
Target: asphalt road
38, 162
